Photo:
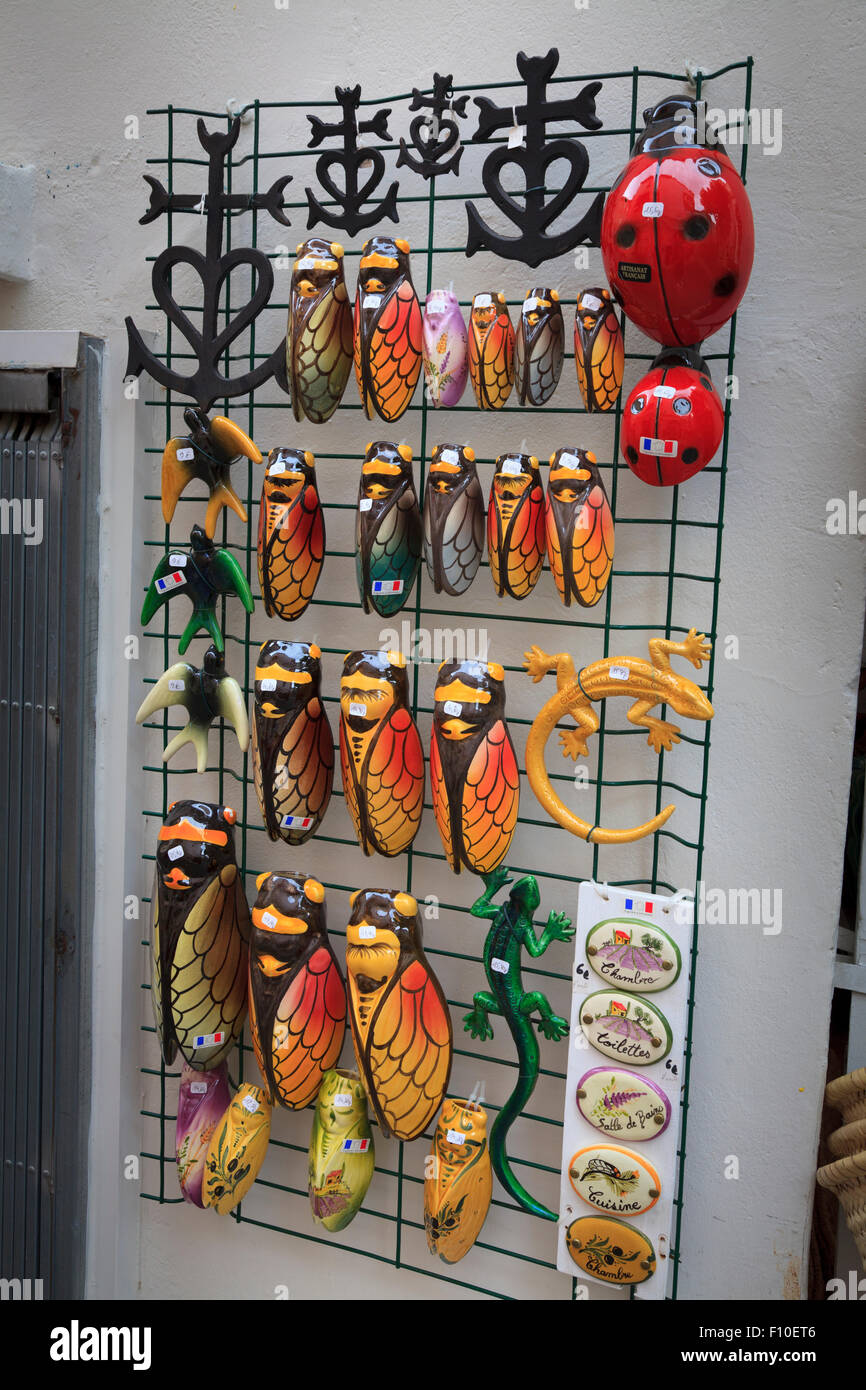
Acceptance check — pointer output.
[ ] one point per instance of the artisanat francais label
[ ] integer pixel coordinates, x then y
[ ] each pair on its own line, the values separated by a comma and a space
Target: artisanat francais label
633, 270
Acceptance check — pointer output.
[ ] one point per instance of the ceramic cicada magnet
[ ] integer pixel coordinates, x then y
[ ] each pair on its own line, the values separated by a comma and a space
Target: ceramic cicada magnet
207, 694
401, 1027
387, 529
203, 573
453, 519
381, 756
297, 990
342, 1154
677, 235
319, 336
202, 1100
647, 683
579, 527
473, 768
207, 453
673, 420
515, 525
291, 546
599, 352
292, 743
459, 1181
200, 927
538, 349
445, 349
491, 351
387, 328
237, 1149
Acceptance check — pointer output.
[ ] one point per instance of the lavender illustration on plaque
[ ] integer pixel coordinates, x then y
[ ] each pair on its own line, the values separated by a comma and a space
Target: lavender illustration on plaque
444, 347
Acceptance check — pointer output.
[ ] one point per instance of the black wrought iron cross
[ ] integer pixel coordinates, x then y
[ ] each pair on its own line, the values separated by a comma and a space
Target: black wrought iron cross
207, 383
435, 136
529, 211
351, 197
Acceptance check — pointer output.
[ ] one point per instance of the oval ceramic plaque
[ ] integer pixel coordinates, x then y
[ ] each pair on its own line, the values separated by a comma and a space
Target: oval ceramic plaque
623, 1104
614, 1179
625, 1027
633, 954
610, 1250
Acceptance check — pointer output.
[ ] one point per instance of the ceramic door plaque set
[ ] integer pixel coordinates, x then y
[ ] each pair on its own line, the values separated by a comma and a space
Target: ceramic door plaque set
629, 1015
218, 964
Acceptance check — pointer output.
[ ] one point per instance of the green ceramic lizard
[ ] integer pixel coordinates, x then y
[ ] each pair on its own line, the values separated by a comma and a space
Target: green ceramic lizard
511, 930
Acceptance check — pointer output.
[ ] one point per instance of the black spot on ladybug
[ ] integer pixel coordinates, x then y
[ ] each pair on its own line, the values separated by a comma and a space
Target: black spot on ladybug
632, 453
709, 167
690, 455
725, 286
696, 227
625, 235
682, 405
706, 383
637, 405
617, 181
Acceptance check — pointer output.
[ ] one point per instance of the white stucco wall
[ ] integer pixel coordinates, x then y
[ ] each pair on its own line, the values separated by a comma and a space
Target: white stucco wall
793, 595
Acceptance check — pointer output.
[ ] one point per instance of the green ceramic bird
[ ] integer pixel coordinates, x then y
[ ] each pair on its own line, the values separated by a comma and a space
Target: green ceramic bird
202, 573
208, 694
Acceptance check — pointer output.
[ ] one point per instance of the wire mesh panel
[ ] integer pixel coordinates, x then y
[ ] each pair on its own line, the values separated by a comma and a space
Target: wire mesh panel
665, 581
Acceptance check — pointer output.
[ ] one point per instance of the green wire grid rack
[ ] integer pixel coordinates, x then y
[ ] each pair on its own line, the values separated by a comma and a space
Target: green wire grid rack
685, 528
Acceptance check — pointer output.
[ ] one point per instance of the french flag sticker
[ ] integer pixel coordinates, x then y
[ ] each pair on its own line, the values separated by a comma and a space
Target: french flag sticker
169, 581
297, 822
387, 586
666, 447
209, 1039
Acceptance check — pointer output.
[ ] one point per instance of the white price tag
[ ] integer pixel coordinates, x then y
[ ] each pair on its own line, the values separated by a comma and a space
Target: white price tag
455, 1137
176, 685
449, 456
355, 708
619, 673
268, 683
343, 1101
276, 468
250, 1104
197, 1088
176, 852
482, 301
269, 920
178, 560
653, 209
452, 707
365, 504
665, 392
592, 302
516, 136
500, 966
186, 455
512, 466
366, 933
372, 301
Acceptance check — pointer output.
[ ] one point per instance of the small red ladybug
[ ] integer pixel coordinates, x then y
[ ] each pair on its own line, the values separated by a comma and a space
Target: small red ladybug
673, 420
677, 236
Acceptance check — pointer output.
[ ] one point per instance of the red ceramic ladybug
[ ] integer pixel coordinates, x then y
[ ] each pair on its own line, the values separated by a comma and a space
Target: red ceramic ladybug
673, 420
677, 235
